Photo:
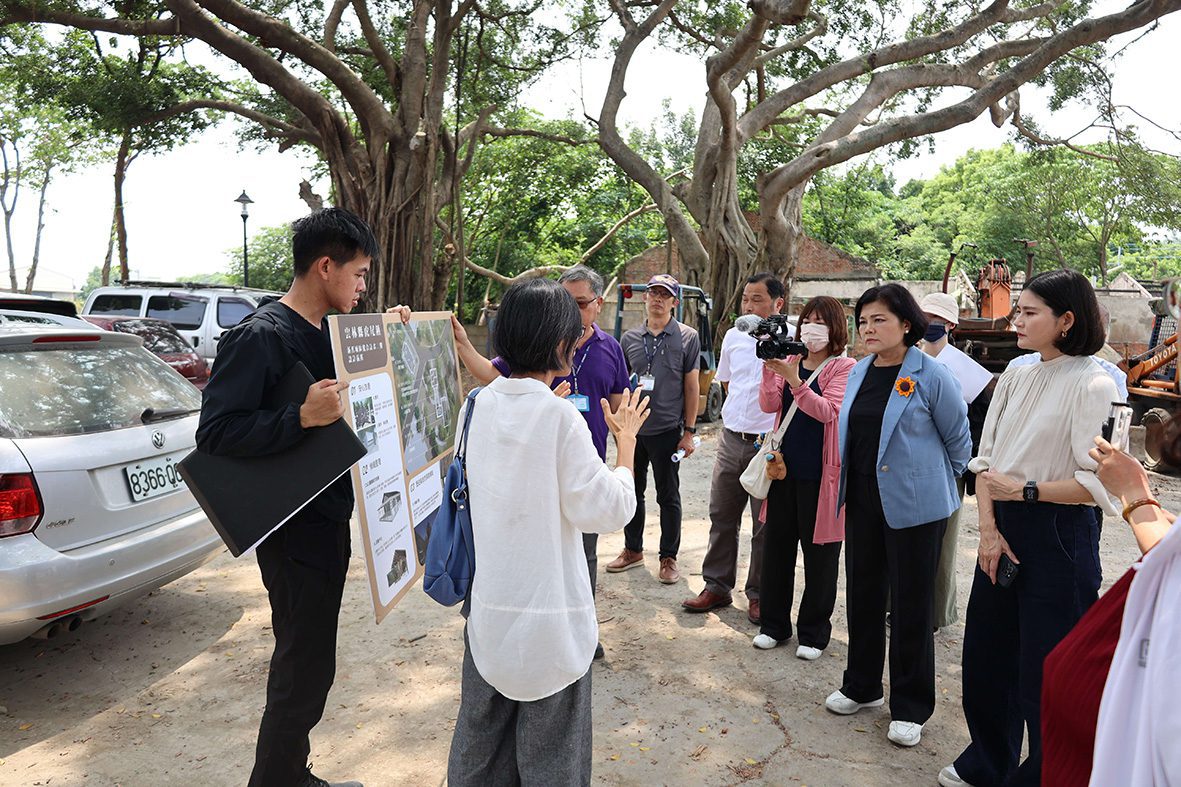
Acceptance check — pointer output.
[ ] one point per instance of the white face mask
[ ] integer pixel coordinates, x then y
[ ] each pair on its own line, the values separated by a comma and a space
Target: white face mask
814, 336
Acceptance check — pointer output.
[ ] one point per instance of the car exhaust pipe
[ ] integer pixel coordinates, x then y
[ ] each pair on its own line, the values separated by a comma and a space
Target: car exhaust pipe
74, 623
51, 630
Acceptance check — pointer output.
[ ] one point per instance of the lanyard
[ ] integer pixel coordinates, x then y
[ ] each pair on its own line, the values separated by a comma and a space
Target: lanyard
657, 346
578, 368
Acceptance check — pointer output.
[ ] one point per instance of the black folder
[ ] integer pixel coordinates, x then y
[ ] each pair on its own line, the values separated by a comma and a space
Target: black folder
248, 497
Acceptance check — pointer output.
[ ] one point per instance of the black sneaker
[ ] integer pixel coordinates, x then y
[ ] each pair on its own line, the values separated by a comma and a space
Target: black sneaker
312, 780
599, 651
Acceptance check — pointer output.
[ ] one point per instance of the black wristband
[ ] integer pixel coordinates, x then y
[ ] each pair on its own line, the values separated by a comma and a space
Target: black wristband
690, 429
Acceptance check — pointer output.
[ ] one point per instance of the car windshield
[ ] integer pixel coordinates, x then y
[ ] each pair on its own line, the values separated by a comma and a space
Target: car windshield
70, 390
159, 337
116, 305
185, 313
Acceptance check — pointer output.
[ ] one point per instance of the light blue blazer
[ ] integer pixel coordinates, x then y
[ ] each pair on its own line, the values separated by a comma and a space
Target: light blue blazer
924, 444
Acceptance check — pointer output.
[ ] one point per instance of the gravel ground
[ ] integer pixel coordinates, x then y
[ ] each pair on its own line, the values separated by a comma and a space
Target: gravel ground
169, 690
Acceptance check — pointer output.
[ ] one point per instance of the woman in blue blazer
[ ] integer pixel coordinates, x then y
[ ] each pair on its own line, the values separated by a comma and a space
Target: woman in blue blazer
904, 440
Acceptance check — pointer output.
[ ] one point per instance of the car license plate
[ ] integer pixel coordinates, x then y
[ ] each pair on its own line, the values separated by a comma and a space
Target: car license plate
153, 478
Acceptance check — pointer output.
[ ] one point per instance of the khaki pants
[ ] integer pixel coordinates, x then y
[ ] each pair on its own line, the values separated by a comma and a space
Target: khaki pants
727, 500
945, 598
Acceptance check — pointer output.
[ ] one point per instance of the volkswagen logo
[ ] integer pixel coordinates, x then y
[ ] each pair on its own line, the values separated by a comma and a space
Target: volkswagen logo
158, 439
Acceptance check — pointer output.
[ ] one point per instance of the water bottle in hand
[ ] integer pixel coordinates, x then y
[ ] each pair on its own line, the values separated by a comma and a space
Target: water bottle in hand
680, 454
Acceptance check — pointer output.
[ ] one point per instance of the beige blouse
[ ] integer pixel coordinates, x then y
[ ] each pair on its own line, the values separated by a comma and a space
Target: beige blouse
1043, 420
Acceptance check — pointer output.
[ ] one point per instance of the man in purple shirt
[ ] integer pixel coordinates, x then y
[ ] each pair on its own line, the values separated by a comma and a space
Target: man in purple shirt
598, 371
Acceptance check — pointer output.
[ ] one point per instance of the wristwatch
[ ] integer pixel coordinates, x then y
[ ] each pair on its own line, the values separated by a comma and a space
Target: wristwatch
690, 429
1030, 492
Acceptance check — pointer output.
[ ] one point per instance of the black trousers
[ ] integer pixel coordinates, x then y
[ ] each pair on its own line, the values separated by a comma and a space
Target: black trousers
303, 567
657, 450
1010, 631
791, 525
878, 559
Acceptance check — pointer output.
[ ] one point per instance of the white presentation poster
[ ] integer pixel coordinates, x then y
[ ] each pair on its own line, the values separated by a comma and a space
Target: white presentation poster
404, 398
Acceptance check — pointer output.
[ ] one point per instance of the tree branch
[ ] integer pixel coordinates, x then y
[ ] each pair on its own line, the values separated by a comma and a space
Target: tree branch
380, 52
495, 131
1037, 139
796, 43
278, 127
601, 242
333, 22
16, 11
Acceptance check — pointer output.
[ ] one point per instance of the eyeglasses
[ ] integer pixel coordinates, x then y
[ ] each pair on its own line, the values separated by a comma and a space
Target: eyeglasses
659, 293
584, 305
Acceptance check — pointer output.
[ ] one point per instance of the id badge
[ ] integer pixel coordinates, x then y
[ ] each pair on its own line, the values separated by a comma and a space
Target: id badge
647, 382
580, 402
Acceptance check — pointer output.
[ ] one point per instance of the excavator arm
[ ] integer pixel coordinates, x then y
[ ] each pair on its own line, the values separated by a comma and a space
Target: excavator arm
1146, 363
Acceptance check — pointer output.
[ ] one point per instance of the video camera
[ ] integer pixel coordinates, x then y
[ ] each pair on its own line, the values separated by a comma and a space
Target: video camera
775, 336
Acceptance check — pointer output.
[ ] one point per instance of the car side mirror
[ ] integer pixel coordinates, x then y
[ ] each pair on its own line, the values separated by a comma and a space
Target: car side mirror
1172, 298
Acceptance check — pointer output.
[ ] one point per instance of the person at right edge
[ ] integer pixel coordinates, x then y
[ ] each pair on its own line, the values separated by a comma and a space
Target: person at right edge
304, 562
904, 439
663, 353
1036, 488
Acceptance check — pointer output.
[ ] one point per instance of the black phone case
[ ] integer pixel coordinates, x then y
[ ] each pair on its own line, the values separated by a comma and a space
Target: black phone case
1006, 571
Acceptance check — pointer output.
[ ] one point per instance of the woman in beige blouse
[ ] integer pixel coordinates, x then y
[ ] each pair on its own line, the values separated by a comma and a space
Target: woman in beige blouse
1037, 492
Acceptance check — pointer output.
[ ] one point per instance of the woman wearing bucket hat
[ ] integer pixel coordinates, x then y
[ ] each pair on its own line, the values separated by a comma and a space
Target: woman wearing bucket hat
976, 384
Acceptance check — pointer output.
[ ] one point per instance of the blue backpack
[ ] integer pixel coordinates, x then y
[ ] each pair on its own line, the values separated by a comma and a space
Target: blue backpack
451, 551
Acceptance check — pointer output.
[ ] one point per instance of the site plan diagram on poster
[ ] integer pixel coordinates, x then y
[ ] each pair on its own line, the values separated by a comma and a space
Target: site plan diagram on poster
404, 398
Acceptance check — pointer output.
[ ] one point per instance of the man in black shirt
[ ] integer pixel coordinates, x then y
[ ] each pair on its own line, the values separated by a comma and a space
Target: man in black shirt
304, 562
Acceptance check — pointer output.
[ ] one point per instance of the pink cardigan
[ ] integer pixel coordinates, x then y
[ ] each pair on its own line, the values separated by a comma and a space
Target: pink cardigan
830, 519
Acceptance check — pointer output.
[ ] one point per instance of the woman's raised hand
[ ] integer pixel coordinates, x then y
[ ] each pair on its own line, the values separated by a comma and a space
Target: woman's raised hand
632, 412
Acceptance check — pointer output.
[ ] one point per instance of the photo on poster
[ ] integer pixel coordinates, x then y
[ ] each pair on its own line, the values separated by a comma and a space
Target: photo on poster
427, 374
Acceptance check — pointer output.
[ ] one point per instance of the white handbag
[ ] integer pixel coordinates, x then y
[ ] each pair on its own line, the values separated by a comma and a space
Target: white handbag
754, 478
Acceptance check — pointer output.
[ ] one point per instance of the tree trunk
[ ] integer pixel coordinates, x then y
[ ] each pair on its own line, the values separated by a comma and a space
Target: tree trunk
779, 242
11, 253
106, 271
122, 162
40, 227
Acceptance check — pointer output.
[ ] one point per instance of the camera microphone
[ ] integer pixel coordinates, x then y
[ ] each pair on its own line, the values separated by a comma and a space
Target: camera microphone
747, 323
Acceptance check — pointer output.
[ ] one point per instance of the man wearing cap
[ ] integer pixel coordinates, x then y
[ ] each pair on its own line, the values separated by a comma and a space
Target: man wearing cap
743, 421
663, 355
976, 384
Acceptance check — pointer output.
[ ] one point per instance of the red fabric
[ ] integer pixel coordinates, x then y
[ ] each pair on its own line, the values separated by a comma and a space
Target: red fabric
1073, 677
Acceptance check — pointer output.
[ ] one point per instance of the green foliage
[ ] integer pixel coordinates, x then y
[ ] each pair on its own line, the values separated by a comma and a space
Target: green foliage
270, 260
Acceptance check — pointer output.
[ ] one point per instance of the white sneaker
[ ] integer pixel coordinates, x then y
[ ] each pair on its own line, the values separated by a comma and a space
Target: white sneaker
840, 704
949, 778
763, 642
808, 653
905, 733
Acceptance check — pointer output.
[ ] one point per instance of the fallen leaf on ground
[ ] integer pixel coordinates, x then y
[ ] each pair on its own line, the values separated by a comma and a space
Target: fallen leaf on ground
702, 729
614, 756
25, 726
156, 716
749, 761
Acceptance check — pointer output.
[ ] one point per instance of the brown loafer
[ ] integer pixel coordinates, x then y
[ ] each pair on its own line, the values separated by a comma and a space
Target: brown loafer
627, 559
752, 612
705, 601
668, 571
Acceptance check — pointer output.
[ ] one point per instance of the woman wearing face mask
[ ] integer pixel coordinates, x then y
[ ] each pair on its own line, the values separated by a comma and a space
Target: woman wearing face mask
801, 510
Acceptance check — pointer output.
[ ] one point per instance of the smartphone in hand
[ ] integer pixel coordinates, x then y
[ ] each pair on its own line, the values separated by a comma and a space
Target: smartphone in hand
1006, 571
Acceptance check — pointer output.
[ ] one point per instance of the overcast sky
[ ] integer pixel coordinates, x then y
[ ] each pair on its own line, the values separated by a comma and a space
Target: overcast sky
182, 217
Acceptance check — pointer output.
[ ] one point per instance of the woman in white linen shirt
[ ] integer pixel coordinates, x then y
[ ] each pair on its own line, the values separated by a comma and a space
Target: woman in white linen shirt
1036, 489
536, 483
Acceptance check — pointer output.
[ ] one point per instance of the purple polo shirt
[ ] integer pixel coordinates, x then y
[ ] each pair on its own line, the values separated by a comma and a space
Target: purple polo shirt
598, 370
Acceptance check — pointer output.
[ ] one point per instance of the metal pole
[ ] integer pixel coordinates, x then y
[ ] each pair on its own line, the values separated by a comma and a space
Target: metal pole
245, 254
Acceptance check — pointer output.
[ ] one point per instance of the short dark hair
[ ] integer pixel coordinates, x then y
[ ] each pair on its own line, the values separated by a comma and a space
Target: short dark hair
333, 233
832, 312
1070, 291
772, 282
537, 326
901, 304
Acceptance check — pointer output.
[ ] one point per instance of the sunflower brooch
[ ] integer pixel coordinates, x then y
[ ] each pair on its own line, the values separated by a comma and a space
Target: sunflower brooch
904, 386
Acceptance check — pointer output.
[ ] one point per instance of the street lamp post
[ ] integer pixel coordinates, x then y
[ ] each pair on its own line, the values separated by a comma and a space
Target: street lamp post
245, 200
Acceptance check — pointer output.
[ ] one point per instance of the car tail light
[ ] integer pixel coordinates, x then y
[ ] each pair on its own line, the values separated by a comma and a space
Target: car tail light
20, 504
67, 338
627, 291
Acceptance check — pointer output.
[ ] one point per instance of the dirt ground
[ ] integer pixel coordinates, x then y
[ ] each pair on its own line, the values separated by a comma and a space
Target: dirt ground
169, 690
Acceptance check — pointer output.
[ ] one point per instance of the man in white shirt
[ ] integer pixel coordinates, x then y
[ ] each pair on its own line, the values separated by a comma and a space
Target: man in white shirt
741, 373
1117, 374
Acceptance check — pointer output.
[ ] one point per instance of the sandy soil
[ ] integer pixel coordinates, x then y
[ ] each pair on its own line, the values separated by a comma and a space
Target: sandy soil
169, 690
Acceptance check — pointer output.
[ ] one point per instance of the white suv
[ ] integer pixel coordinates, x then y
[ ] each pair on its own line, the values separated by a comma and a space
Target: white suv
201, 314
93, 512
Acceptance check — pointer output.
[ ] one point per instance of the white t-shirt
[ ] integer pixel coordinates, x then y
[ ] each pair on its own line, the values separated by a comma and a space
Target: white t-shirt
739, 367
1118, 375
536, 483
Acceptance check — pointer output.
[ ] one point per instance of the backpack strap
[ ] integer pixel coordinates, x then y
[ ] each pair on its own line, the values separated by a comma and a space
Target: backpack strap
461, 443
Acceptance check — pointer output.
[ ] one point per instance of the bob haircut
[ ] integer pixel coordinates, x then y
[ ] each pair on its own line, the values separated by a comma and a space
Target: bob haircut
537, 327
1069, 291
830, 311
333, 233
901, 304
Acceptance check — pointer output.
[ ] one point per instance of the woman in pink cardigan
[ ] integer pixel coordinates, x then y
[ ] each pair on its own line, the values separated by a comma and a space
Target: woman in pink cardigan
802, 510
